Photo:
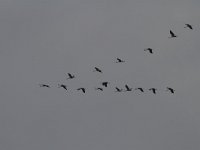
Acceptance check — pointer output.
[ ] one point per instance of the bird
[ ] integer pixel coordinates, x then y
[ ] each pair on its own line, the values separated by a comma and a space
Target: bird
170, 89
83, 89
141, 89
105, 83
128, 88
188, 26
119, 60
118, 89
153, 90
98, 88
70, 76
44, 85
97, 69
173, 35
149, 49
62, 86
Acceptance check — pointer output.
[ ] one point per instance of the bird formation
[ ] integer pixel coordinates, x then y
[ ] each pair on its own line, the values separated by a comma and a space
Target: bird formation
117, 89
127, 88
172, 35
105, 84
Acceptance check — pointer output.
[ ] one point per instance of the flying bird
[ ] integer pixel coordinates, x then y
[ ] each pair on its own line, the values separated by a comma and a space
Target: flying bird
70, 76
100, 89
173, 35
97, 69
128, 88
83, 89
188, 26
149, 49
118, 89
119, 60
153, 90
62, 86
170, 89
141, 89
44, 85
105, 84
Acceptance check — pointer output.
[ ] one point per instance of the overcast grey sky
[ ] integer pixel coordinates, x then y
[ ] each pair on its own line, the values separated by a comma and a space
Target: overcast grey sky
42, 40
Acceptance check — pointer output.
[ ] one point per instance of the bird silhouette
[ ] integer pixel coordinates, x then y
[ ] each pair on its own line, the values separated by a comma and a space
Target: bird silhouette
128, 88
70, 76
188, 26
97, 69
173, 35
83, 89
119, 60
62, 86
170, 89
105, 83
118, 89
153, 90
98, 88
149, 49
141, 89
44, 85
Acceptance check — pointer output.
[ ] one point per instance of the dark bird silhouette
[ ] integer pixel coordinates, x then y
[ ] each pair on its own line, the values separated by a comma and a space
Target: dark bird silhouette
173, 35
119, 60
128, 88
70, 76
83, 89
188, 26
149, 49
118, 89
153, 90
141, 89
170, 89
44, 85
62, 86
97, 69
98, 88
105, 84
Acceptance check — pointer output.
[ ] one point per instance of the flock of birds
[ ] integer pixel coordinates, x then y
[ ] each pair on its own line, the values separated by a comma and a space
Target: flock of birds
106, 84
127, 88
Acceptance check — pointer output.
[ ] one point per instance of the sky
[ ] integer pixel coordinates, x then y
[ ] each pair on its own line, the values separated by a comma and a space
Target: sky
42, 40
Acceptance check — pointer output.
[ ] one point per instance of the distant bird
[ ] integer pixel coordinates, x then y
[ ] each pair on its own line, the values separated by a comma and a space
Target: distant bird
98, 88
97, 69
149, 49
44, 85
173, 35
141, 89
105, 84
83, 89
119, 60
118, 89
188, 26
153, 90
70, 76
62, 86
170, 89
128, 88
